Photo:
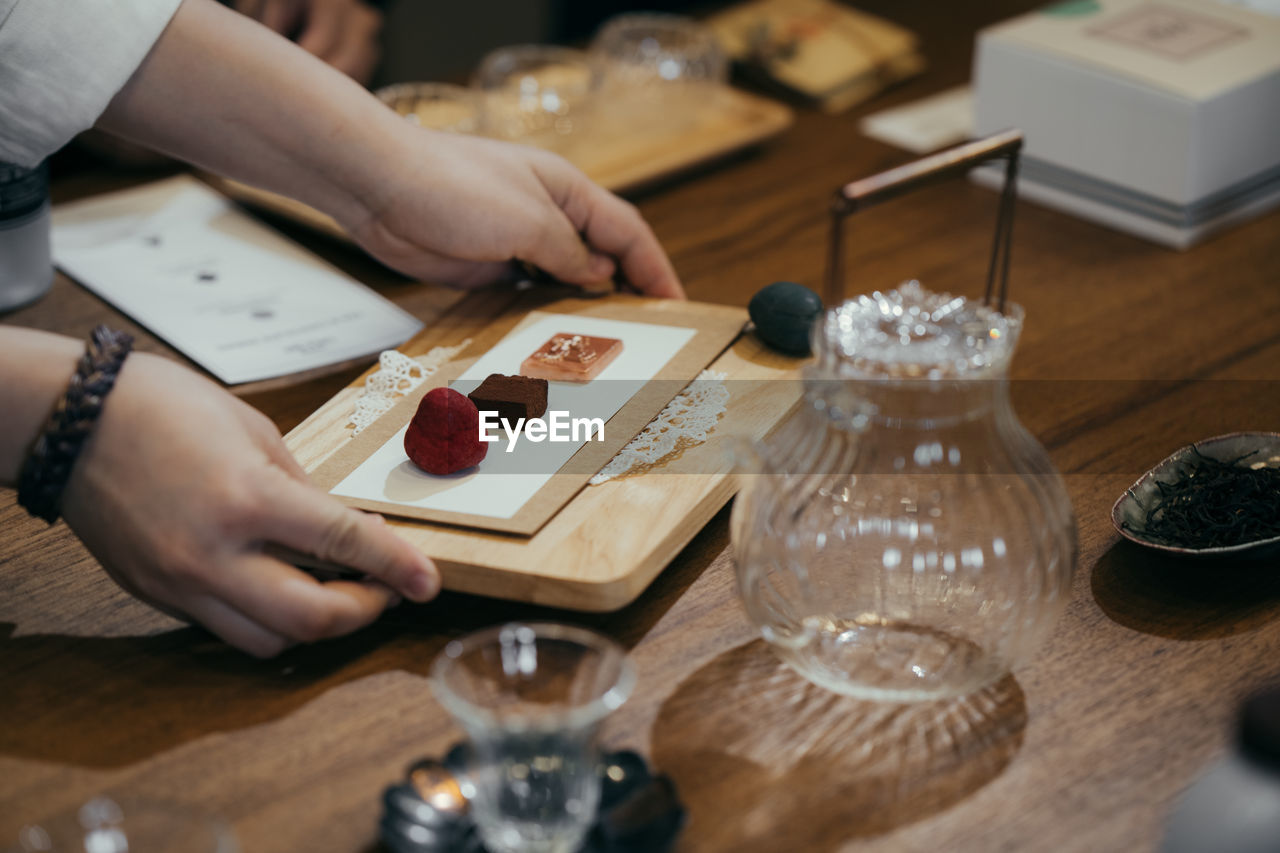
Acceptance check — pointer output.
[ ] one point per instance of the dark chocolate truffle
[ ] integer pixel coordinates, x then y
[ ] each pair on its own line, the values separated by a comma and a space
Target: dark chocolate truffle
512, 397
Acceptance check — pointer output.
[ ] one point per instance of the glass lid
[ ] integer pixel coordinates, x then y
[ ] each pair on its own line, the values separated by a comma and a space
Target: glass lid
911, 332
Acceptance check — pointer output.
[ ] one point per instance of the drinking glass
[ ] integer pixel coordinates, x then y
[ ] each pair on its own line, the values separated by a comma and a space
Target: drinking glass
537, 94
531, 698
659, 71
436, 106
105, 825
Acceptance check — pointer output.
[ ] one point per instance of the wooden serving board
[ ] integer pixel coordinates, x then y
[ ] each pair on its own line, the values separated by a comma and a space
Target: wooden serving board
617, 160
608, 543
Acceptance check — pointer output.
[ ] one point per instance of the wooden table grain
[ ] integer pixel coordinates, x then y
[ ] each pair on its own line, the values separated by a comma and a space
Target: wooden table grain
1130, 351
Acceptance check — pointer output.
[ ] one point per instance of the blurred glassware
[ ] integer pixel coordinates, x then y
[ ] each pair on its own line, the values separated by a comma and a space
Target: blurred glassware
531, 698
104, 825
26, 265
659, 68
537, 94
1235, 806
646, 48
437, 106
905, 538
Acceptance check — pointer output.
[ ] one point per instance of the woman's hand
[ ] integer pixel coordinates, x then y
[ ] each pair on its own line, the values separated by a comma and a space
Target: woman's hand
457, 209
235, 98
180, 487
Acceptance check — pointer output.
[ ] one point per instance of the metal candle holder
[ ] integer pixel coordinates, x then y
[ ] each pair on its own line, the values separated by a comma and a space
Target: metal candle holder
867, 192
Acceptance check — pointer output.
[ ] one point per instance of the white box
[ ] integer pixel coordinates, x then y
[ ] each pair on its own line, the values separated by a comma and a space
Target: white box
1158, 118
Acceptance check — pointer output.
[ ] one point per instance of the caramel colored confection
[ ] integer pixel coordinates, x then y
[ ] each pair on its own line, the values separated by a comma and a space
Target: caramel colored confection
571, 358
512, 397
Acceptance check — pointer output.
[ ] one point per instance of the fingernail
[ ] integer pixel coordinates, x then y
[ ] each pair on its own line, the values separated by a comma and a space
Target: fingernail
601, 266
423, 586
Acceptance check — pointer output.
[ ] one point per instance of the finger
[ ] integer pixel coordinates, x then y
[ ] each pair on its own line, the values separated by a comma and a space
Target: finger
558, 250
358, 52
249, 8
234, 628
612, 226
276, 450
294, 605
282, 16
428, 266
279, 453
357, 60
469, 275
322, 34
310, 521
267, 437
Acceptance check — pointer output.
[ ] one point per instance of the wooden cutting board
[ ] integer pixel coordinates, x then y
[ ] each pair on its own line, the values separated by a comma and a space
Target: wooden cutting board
619, 159
608, 543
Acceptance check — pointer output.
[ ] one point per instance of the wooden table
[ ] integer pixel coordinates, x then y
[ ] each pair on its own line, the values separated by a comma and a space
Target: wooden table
1137, 350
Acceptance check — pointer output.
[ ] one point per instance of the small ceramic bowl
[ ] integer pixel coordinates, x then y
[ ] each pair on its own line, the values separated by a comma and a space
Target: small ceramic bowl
1128, 512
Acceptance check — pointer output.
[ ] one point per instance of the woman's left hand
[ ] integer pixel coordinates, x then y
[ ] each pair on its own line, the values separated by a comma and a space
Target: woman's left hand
459, 209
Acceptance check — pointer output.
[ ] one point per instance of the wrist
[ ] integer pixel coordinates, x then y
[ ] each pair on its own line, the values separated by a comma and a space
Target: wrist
34, 368
367, 163
47, 468
233, 97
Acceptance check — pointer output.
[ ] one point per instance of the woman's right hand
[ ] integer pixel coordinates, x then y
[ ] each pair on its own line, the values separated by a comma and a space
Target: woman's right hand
182, 485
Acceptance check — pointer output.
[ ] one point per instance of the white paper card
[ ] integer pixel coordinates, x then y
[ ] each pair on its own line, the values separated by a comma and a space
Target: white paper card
925, 125
241, 311
501, 484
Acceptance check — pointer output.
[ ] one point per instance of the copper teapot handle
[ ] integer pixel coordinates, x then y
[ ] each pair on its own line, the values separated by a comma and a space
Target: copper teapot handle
867, 192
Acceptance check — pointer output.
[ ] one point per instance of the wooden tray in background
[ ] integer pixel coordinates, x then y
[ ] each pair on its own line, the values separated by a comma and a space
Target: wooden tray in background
734, 120
608, 543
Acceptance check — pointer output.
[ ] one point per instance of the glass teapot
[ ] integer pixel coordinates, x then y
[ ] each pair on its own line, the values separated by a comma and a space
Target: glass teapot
903, 536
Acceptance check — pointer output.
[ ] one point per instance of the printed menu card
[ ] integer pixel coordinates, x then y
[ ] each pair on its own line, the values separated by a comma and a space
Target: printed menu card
230, 293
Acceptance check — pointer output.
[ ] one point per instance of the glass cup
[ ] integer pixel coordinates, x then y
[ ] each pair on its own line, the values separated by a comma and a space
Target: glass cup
659, 70
531, 698
437, 106
648, 48
537, 94
26, 268
104, 825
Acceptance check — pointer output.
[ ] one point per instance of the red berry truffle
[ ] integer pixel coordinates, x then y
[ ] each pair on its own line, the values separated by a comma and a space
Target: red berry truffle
444, 435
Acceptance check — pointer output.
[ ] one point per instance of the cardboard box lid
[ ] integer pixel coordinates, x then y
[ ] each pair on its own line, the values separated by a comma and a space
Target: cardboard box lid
1193, 48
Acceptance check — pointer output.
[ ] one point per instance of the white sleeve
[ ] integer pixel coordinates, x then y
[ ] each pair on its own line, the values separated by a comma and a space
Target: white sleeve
62, 61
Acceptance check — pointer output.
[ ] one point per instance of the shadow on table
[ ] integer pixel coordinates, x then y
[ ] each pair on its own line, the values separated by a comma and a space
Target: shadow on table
1184, 599
115, 701
766, 761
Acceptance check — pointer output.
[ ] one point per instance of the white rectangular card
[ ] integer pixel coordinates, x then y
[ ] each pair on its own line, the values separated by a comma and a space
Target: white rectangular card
232, 295
504, 481
925, 125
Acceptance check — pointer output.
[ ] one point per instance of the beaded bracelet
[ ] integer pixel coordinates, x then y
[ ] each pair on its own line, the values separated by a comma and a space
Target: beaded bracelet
47, 468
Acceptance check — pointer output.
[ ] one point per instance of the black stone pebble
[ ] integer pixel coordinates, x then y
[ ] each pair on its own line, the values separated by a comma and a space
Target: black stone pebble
784, 313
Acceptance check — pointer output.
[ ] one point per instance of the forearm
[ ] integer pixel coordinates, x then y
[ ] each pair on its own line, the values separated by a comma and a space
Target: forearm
34, 370
229, 95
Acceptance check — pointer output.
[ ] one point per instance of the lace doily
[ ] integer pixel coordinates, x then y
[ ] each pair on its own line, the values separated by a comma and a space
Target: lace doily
685, 422
396, 376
